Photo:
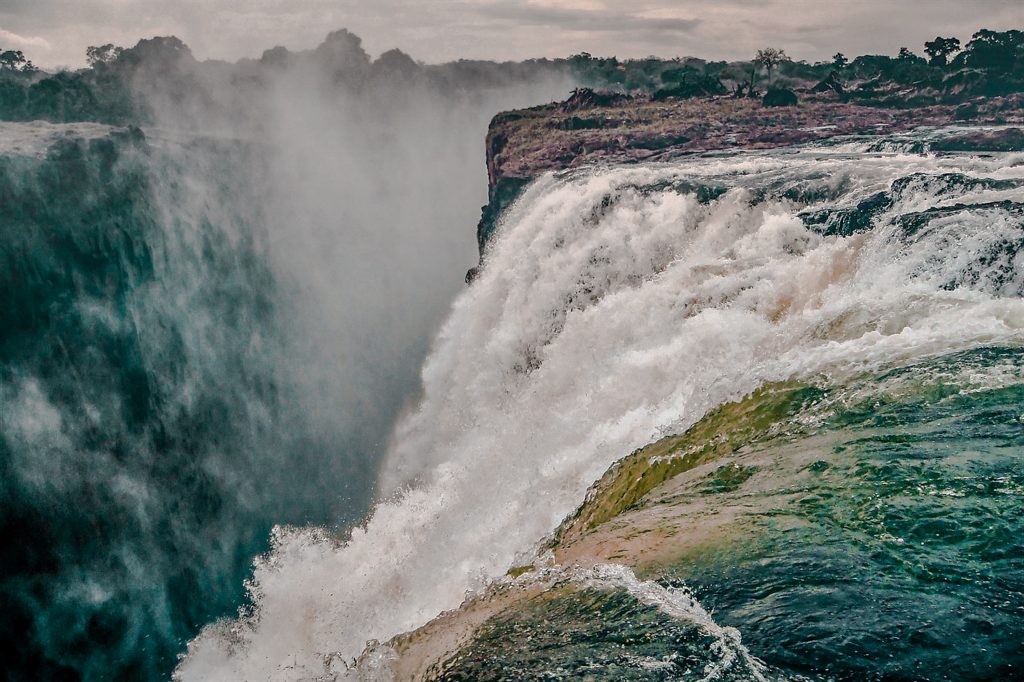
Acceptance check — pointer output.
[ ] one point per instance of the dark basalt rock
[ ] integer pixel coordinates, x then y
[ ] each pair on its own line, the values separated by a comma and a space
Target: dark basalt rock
850, 221
830, 84
701, 87
586, 98
578, 123
780, 97
1007, 140
658, 143
965, 112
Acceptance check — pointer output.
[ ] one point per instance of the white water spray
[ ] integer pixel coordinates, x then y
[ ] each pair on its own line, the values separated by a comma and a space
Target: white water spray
614, 310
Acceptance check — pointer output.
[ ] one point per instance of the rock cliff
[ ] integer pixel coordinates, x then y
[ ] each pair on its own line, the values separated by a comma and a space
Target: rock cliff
600, 128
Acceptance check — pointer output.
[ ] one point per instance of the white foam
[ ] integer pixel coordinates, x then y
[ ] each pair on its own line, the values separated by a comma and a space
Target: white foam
679, 603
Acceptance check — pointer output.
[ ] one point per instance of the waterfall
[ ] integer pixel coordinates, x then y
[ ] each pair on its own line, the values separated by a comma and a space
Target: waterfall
616, 306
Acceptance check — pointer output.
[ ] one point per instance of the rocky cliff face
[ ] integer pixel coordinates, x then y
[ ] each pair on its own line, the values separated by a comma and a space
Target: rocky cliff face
599, 128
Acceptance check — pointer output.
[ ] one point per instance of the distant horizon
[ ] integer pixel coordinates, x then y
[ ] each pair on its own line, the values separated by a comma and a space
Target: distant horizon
54, 37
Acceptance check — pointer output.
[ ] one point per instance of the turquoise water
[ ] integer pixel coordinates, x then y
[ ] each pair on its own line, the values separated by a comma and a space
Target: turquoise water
588, 635
881, 538
900, 554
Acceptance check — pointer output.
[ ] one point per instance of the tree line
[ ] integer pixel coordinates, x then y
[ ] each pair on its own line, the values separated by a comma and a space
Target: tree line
990, 63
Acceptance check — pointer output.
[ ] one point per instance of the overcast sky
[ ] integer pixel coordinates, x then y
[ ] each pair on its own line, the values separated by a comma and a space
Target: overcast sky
56, 32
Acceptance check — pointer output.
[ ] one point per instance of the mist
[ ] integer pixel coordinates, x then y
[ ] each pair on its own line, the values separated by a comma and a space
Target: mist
287, 240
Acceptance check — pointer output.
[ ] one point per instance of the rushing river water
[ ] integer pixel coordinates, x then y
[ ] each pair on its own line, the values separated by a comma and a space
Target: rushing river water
876, 517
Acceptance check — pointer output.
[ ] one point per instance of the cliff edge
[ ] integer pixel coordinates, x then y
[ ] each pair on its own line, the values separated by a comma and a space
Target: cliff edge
606, 128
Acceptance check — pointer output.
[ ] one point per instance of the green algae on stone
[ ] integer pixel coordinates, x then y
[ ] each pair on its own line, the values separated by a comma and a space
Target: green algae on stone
517, 571
760, 415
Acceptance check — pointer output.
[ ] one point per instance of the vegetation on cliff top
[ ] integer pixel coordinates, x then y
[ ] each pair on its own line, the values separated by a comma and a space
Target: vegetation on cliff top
114, 87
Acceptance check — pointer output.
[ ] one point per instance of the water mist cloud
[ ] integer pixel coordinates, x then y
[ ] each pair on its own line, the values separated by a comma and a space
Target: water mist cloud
236, 310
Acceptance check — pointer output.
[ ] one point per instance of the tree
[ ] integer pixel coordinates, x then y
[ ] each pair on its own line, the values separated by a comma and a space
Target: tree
906, 55
62, 97
839, 60
104, 54
938, 50
395, 61
769, 58
343, 51
13, 60
997, 50
277, 56
157, 53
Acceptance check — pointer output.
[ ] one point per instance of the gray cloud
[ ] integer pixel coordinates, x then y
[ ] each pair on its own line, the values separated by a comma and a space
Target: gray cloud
441, 30
11, 39
571, 19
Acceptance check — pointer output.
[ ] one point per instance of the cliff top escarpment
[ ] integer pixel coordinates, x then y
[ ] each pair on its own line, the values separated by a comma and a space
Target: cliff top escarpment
593, 128
583, 131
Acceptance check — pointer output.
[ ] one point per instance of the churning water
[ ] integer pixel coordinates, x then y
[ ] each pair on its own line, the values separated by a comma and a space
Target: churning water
620, 305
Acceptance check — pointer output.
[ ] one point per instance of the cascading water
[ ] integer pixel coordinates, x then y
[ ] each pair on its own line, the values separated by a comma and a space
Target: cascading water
209, 327
126, 372
617, 306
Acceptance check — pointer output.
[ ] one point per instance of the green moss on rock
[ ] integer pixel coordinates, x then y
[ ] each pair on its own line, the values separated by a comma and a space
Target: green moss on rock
720, 433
